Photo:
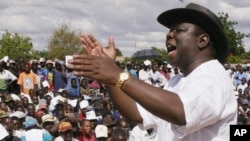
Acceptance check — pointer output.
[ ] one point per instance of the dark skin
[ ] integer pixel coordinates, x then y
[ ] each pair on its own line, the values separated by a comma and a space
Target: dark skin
86, 128
67, 135
16, 124
31, 110
188, 47
25, 101
27, 71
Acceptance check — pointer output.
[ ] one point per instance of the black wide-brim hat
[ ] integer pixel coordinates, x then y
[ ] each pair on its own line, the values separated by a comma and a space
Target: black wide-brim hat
205, 19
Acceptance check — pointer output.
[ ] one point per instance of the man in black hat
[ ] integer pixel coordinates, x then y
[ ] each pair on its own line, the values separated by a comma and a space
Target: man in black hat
198, 105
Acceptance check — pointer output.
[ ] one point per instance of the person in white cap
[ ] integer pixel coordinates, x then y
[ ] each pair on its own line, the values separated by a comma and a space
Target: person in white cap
197, 105
145, 74
84, 104
101, 132
42, 70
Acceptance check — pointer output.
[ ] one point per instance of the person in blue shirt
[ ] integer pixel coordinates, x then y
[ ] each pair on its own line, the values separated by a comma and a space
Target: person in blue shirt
131, 70
240, 74
74, 90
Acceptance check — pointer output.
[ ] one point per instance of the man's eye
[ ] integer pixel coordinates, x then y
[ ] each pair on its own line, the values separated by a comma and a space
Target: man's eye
178, 29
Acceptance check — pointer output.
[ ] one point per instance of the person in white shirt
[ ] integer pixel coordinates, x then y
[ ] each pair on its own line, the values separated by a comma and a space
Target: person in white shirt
145, 74
139, 134
243, 84
157, 79
198, 105
6, 78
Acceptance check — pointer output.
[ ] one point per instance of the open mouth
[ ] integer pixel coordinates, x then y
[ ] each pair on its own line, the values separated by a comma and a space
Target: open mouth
170, 47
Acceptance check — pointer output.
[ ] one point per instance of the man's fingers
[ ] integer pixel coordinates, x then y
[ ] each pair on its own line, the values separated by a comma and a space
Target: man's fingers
111, 42
85, 44
86, 49
86, 40
82, 59
93, 39
85, 73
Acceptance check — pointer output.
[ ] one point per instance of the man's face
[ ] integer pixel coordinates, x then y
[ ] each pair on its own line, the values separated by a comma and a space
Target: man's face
31, 92
60, 114
8, 121
3, 106
58, 66
16, 124
86, 127
34, 66
42, 64
154, 67
164, 67
125, 126
64, 94
13, 65
22, 66
27, 68
49, 65
181, 43
48, 125
31, 110
67, 135
35, 99
73, 83
48, 99
25, 101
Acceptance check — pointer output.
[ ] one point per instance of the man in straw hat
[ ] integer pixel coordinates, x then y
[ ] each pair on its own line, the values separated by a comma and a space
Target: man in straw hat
197, 105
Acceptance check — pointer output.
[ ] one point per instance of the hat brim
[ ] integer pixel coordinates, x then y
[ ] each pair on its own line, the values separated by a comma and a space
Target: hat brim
46, 121
64, 130
205, 21
3, 116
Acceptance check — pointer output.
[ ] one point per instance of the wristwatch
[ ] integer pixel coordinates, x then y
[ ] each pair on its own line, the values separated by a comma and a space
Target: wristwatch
124, 76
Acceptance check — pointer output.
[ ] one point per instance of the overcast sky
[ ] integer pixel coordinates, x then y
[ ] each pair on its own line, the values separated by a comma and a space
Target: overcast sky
132, 23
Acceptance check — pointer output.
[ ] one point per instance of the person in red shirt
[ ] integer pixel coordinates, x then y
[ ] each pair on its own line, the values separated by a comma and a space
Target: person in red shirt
164, 71
86, 131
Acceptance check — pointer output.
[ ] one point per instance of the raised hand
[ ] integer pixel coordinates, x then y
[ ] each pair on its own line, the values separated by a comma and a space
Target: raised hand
93, 47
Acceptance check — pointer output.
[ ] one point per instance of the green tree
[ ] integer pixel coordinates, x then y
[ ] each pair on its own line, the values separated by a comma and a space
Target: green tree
63, 42
15, 46
36, 54
163, 52
235, 38
118, 52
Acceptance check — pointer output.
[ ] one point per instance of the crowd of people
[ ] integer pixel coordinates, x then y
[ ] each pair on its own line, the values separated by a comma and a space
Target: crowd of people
48, 106
240, 76
43, 100
96, 98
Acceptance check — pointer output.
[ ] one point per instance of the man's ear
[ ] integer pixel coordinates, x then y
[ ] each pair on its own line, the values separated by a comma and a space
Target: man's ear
203, 41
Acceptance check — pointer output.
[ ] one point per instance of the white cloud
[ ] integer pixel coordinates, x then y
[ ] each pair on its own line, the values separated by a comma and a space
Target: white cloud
132, 23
